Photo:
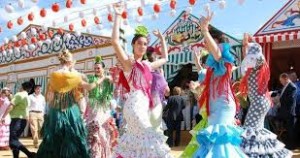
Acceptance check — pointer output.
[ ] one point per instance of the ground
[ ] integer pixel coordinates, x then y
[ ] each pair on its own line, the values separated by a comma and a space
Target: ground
176, 151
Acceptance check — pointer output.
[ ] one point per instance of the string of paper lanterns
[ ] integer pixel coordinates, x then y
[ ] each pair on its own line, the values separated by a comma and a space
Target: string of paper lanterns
44, 37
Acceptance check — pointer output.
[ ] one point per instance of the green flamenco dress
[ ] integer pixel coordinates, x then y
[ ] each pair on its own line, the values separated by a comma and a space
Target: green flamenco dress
64, 134
192, 147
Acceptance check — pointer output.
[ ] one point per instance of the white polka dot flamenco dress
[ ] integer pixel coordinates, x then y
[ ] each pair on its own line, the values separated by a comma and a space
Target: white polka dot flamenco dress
259, 142
140, 140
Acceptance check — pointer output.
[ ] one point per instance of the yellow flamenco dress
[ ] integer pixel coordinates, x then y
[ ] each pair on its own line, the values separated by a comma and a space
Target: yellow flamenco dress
64, 134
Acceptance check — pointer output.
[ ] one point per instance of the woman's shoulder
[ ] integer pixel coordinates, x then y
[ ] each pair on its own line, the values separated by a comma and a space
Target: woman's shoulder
64, 81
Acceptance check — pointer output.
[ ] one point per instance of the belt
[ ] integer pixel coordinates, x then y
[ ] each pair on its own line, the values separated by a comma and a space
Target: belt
36, 111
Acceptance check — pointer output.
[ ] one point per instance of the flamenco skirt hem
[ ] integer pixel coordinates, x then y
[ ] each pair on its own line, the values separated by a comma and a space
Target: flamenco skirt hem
148, 144
262, 143
219, 141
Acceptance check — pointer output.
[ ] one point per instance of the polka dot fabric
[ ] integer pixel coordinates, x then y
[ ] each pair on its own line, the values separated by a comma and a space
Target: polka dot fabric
257, 141
140, 139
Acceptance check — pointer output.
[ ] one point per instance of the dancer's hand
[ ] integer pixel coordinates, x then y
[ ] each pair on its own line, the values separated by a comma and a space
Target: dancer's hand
158, 34
118, 8
109, 78
205, 21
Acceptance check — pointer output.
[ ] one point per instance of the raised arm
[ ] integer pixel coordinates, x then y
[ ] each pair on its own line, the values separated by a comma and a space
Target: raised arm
212, 46
164, 51
197, 60
93, 85
122, 56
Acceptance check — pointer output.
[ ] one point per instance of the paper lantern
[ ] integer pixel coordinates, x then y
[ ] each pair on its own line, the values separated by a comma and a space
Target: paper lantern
30, 16
95, 11
54, 23
16, 44
207, 7
40, 43
32, 47
83, 1
60, 31
23, 35
124, 15
81, 14
21, 3
154, 16
5, 40
100, 27
189, 9
23, 42
110, 17
192, 2
43, 12
156, 8
33, 40
33, 31
96, 20
222, 4
20, 20
143, 2
241, 2
55, 7
139, 19
173, 4
71, 27
14, 38
50, 33
88, 30
66, 18
109, 8
9, 8
10, 25
125, 22
42, 36
173, 12
69, 3
140, 11
83, 22
44, 28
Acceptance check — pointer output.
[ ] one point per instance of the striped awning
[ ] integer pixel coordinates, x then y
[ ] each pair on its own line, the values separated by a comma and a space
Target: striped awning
277, 37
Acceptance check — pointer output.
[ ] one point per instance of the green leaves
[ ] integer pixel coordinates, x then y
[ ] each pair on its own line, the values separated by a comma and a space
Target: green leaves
141, 30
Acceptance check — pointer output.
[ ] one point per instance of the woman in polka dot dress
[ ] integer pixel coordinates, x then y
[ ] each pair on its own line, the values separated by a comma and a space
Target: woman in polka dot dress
140, 139
258, 142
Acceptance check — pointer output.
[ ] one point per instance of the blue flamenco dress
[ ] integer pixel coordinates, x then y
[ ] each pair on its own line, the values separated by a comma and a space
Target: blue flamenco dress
221, 139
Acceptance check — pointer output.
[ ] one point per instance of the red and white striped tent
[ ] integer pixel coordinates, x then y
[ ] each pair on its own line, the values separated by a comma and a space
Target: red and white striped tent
280, 39
282, 30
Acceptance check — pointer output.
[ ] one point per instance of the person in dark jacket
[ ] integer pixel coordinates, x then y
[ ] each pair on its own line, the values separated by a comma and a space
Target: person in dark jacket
286, 112
174, 116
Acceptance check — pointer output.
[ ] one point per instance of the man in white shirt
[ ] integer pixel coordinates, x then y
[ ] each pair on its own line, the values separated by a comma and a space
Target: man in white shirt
36, 113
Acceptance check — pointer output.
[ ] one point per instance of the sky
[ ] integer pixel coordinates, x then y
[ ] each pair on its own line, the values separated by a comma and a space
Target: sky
235, 19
